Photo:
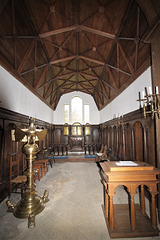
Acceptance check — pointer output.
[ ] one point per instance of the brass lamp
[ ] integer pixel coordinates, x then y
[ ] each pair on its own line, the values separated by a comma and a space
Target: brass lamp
30, 204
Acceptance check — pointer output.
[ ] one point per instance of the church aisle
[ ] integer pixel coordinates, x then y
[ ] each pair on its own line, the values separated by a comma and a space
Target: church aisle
74, 210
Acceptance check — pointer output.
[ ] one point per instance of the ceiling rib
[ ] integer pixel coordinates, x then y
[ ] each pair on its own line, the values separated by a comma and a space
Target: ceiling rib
71, 48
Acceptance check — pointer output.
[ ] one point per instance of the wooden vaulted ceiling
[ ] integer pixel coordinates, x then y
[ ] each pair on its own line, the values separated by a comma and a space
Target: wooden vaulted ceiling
59, 46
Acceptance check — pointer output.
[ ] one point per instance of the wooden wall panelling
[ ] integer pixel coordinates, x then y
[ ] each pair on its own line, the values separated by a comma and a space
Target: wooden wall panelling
95, 135
10, 120
110, 138
58, 134
59, 137
114, 140
1, 149
136, 134
120, 141
106, 136
155, 46
128, 142
139, 141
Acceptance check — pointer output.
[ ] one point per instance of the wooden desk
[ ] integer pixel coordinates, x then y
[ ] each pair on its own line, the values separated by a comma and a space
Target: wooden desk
131, 177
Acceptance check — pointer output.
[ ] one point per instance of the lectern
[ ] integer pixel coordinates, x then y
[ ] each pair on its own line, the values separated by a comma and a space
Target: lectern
129, 220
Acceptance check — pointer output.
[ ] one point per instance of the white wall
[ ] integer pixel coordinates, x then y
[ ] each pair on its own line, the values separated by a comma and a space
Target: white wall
126, 101
16, 97
66, 99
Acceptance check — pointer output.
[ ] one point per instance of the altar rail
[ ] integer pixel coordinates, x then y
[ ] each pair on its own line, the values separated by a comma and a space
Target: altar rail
91, 148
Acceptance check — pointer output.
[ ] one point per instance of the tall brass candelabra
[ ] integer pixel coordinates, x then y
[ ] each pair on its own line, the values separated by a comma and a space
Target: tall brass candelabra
30, 204
151, 102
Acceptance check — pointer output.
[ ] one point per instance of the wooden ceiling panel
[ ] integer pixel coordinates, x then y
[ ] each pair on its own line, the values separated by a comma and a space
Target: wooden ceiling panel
61, 46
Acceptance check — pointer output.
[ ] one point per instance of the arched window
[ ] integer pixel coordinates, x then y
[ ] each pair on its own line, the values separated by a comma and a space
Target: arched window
76, 109
87, 129
76, 129
66, 129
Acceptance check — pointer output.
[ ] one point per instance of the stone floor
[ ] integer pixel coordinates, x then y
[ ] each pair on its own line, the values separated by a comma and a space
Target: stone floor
74, 211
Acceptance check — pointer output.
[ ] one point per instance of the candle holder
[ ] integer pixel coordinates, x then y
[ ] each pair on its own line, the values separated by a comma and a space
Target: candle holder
150, 102
118, 120
30, 204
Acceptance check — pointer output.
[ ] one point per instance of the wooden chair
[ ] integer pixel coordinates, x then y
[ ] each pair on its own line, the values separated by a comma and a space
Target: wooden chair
104, 155
15, 179
101, 151
24, 163
38, 168
44, 164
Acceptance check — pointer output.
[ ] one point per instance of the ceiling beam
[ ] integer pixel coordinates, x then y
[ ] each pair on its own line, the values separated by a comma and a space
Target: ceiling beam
62, 59
102, 63
77, 27
41, 77
91, 60
57, 31
111, 76
98, 32
126, 58
104, 89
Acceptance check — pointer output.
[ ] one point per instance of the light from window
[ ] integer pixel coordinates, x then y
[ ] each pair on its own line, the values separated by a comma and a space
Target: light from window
76, 129
76, 109
86, 113
87, 129
66, 129
66, 113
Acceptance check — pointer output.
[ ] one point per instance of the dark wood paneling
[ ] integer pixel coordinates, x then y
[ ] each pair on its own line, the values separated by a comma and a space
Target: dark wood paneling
132, 139
10, 120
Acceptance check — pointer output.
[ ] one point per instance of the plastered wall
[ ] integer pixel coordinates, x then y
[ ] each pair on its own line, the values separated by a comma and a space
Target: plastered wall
16, 97
127, 101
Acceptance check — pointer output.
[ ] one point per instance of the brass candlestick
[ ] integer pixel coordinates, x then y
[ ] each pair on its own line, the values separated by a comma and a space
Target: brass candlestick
151, 101
30, 204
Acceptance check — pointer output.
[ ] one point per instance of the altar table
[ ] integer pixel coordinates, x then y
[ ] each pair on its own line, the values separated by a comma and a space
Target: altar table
130, 174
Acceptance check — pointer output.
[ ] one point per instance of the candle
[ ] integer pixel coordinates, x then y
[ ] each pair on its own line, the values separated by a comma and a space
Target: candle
142, 94
157, 91
150, 90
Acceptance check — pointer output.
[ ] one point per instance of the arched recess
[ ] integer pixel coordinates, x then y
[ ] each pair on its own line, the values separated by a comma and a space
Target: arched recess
103, 135
121, 192
128, 141
57, 136
106, 130
143, 190
114, 150
95, 136
120, 142
139, 141
110, 138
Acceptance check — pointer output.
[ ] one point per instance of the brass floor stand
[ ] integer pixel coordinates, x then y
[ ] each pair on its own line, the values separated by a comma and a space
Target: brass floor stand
30, 204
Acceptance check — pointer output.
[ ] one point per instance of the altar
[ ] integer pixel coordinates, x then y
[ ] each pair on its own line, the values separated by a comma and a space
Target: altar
129, 220
76, 143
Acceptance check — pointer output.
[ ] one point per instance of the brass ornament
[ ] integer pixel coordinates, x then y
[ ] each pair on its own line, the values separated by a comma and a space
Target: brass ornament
30, 204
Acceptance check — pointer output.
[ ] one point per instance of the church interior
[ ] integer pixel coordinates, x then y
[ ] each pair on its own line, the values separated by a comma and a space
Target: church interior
79, 119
